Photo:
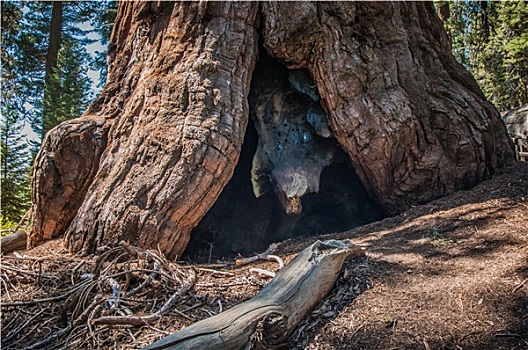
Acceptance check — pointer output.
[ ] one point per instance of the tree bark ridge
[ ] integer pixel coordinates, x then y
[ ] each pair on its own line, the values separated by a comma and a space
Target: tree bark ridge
175, 110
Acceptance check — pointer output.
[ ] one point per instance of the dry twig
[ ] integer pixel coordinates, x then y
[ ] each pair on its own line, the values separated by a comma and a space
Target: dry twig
89, 301
263, 256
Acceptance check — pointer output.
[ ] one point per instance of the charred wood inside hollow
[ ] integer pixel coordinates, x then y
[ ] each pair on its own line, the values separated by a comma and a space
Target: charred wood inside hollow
287, 139
295, 143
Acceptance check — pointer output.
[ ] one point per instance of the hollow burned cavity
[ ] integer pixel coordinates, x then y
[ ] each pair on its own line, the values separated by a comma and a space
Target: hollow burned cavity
295, 143
292, 178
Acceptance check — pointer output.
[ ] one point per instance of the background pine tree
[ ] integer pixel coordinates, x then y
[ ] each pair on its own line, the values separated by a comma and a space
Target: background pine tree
491, 40
29, 96
15, 155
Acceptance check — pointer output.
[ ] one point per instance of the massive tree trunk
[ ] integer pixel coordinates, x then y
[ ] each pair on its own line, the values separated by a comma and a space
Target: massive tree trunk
151, 155
165, 133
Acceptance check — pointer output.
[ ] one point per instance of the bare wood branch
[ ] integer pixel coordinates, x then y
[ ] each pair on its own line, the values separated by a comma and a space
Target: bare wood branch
125, 320
140, 320
130, 250
252, 259
44, 300
22, 220
263, 273
144, 283
520, 285
269, 317
49, 339
13, 241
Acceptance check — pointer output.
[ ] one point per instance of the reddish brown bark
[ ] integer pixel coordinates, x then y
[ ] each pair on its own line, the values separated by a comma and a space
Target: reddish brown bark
175, 109
166, 133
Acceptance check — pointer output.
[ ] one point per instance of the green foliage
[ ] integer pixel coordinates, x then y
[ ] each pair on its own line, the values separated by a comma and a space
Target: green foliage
6, 225
24, 44
102, 21
491, 40
14, 180
15, 155
25, 34
25, 37
69, 89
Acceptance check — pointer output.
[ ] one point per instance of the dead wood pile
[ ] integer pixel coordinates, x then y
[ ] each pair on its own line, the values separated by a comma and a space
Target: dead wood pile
129, 297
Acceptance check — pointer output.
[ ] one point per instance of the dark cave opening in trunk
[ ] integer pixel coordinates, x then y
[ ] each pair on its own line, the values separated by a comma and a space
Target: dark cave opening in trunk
241, 223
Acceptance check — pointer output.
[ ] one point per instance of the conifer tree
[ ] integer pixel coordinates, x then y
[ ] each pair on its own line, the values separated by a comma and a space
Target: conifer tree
67, 90
14, 179
48, 77
102, 21
491, 40
42, 85
15, 155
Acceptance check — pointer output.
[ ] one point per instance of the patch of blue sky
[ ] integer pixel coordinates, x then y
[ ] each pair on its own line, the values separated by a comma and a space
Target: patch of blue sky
92, 49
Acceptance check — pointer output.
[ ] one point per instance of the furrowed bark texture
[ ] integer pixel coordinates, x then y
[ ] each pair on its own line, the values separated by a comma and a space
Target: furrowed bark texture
176, 103
152, 153
414, 122
63, 170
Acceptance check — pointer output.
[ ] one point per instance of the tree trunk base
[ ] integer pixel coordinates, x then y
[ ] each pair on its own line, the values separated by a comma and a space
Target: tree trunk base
151, 155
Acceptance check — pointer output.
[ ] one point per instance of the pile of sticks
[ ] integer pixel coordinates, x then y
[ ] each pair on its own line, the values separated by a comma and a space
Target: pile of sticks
65, 301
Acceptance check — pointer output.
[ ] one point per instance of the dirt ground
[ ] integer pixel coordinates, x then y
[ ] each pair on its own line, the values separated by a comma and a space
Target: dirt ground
451, 274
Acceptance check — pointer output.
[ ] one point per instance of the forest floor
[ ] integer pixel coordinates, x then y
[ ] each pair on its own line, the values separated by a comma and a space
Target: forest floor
450, 274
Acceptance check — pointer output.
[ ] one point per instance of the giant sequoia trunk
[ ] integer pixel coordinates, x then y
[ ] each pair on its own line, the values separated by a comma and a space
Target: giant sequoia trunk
151, 155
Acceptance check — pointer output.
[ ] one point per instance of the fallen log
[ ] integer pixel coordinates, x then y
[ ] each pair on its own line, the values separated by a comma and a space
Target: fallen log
266, 320
13, 241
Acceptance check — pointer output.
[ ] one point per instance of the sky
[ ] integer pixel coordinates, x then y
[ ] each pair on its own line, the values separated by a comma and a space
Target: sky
92, 74
92, 48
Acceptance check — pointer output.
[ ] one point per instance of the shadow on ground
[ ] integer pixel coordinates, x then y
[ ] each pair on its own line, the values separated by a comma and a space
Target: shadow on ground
451, 274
